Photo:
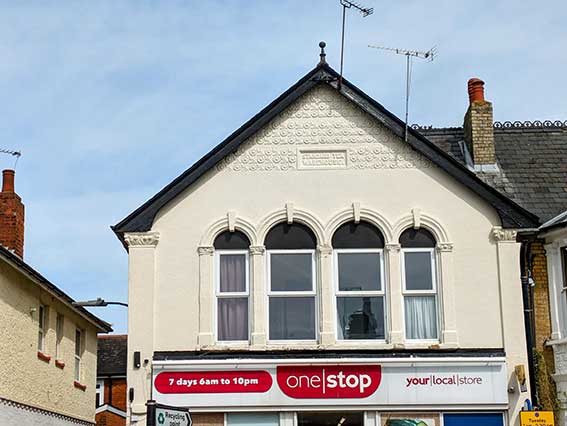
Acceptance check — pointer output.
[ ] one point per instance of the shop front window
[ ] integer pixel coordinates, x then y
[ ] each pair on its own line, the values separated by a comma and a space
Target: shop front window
232, 286
292, 294
359, 277
330, 419
252, 419
419, 278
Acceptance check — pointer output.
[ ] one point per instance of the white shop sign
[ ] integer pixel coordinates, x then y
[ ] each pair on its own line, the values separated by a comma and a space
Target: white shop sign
316, 382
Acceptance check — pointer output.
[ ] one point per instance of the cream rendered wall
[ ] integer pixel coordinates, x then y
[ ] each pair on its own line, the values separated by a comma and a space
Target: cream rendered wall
27, 379
389, 181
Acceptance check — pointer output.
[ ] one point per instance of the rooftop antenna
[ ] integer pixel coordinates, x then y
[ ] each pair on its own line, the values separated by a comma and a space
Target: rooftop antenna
409, 54
16, 154
365, 11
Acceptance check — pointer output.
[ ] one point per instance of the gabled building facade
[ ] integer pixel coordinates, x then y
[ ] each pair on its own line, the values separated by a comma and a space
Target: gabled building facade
317, 268
48, 345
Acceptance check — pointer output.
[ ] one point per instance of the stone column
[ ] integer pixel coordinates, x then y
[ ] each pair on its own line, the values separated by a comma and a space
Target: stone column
327, 295
512, 318
446, 285
258, 293
206, 296
142, 288
393, 275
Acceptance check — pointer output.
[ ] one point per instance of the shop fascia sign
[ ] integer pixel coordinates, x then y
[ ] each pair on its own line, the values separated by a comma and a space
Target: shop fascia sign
251, 383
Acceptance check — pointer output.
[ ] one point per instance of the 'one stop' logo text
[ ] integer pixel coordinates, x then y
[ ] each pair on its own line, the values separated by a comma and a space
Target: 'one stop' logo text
329, 381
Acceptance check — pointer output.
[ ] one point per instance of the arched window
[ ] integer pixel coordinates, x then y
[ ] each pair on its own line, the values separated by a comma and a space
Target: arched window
292, 303
232, 286
419, 278
359, 273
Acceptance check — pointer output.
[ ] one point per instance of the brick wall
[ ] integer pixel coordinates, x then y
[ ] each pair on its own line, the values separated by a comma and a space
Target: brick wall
541, 295
107, 418
11, 216
206, 419
479, 132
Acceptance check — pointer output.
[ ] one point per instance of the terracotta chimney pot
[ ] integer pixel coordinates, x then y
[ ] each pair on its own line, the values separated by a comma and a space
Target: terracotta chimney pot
8, 180
476, 90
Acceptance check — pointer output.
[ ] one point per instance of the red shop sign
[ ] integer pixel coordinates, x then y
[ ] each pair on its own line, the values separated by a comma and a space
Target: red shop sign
213, 381
329, 381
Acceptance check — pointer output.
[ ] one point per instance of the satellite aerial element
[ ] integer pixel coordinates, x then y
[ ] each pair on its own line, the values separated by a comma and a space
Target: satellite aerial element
16, 154
364, 11
409, 54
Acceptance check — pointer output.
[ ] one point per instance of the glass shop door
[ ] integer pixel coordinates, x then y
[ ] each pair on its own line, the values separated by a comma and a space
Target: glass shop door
330, 419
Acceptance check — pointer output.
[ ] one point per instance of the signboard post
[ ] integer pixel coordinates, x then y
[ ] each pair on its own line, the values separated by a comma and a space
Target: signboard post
536, 418
165, 415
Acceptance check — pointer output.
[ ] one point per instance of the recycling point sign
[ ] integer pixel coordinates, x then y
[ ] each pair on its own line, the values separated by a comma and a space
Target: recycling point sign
164, 415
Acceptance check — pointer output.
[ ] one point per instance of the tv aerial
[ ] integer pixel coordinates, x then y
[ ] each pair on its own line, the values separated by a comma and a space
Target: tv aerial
16, 154
409, 54
364, 11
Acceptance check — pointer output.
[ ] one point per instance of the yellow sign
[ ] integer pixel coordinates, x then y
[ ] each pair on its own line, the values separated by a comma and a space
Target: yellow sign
540, 418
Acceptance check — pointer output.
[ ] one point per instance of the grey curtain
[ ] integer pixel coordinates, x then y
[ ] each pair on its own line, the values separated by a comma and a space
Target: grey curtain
233, 311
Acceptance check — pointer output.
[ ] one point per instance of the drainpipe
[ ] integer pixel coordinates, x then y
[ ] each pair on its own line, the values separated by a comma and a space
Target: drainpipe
526, 262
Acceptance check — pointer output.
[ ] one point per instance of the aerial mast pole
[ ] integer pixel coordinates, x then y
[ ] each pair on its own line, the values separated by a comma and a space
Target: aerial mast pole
365, 11
409, 54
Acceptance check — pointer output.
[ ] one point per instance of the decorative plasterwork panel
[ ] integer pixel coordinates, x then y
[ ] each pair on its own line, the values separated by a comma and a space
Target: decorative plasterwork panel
323, 130
508, 235
141, 239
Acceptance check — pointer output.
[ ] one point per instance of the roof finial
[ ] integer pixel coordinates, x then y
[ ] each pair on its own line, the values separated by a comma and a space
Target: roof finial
322, 55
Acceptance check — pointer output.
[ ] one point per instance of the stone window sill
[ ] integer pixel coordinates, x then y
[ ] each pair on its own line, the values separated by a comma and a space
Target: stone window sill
43, 357
80, 386
59, 364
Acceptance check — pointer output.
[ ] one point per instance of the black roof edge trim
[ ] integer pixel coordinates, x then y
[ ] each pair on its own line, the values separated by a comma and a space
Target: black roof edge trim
24, 267
511, 214
338, 354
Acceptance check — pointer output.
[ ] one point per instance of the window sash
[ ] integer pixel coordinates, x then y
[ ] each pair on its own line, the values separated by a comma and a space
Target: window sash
347, 293
339, 294
231, 295
431, 291
276, 293
41, 329
78, 353
58, 335
300, 294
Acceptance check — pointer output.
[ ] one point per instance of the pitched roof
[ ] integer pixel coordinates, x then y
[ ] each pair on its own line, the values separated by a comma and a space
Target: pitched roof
532, 163
559, 221
112, 355
511, 214
17, 262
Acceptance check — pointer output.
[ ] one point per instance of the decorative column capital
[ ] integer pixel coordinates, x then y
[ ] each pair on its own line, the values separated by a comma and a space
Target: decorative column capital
205, 250
141, 239
444, 247
257, 250
393, 247
503, 235
324, 250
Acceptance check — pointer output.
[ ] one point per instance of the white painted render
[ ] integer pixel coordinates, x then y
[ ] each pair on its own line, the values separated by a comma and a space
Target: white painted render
323, 162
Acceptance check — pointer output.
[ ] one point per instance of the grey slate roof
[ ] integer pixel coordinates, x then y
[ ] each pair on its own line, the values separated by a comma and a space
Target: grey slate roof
532, 164
559, 221
112, 355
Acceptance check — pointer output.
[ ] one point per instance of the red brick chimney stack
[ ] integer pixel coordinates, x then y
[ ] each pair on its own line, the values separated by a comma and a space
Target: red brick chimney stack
478, 128
11, 215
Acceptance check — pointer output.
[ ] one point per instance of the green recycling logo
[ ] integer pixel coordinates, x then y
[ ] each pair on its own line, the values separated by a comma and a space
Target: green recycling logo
161, 418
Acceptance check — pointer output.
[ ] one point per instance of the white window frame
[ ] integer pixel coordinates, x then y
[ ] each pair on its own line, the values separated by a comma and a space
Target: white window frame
231, 295
41, 327
433, 292
99, 392
371, 293
59, 329
78, 357
310, 293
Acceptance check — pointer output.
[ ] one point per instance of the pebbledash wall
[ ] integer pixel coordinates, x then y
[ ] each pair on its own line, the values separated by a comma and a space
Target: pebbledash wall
324, 162
42, 386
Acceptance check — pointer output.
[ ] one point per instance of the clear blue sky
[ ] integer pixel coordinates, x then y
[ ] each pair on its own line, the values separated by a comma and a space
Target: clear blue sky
110, 100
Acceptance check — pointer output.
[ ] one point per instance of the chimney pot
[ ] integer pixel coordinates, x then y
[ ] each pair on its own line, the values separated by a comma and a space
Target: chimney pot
8, 180
476, 90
